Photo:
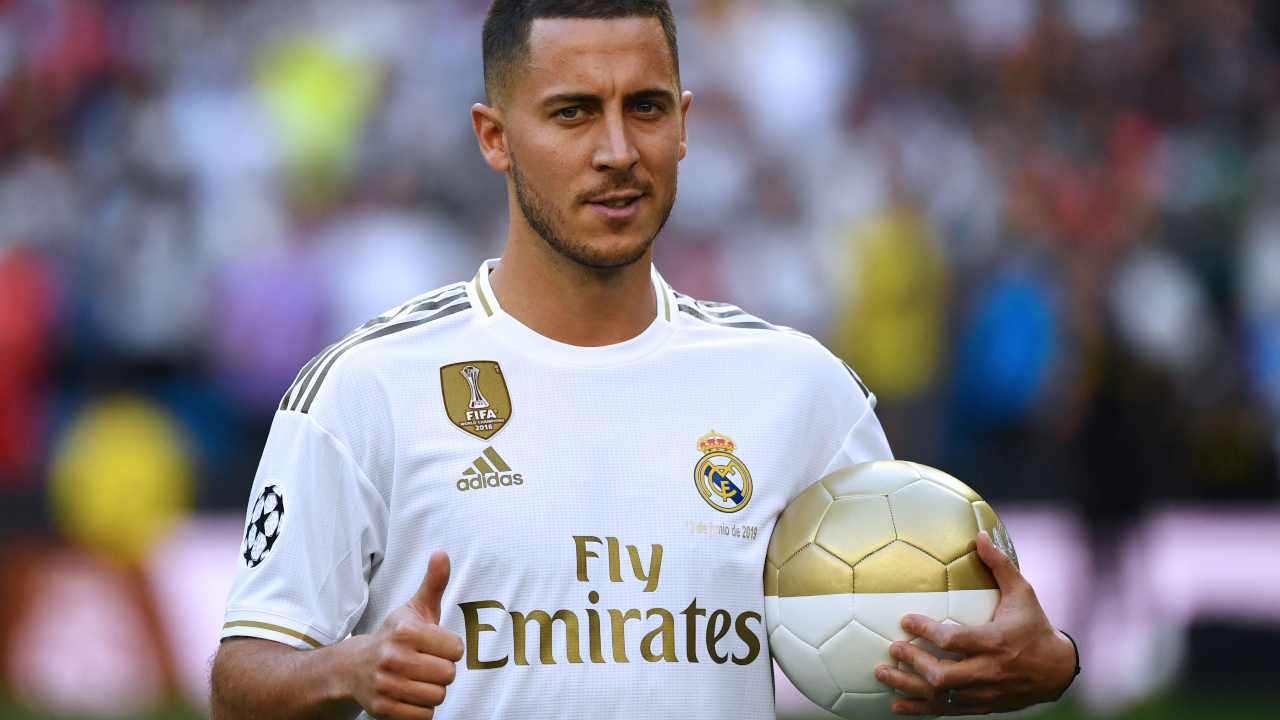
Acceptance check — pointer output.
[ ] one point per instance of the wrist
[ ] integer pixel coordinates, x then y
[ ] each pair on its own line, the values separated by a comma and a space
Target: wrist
1070, 663
342, 684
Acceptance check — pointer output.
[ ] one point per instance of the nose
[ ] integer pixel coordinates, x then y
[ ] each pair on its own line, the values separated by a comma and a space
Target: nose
615, 151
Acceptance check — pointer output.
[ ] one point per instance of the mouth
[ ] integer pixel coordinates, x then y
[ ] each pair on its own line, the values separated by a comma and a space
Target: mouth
617, 206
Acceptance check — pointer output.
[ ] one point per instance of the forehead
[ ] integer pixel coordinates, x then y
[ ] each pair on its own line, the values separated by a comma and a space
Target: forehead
600, 56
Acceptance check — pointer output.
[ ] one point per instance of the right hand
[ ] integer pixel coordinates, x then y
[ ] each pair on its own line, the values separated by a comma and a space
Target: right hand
401, 671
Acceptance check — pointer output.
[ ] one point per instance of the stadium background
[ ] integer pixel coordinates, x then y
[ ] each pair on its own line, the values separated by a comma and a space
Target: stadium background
1047, 234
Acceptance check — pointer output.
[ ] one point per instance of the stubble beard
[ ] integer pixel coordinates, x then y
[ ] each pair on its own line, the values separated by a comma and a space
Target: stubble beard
549, 223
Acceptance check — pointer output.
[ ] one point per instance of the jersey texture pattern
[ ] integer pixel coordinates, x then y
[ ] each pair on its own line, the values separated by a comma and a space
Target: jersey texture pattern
606, 510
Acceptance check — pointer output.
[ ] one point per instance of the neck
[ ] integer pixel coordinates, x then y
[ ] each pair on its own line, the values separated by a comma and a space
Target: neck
570, 303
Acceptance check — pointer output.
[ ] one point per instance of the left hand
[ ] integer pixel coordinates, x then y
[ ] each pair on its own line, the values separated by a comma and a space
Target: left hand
1015, 660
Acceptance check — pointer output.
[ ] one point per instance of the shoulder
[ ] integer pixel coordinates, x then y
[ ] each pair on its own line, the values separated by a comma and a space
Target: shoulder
351, 363
774, 348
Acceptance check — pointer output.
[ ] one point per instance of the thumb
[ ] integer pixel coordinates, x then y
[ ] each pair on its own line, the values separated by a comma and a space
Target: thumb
426, 601
1007, 575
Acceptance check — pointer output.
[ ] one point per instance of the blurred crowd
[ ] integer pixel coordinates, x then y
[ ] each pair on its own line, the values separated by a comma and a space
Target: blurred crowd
1047, 234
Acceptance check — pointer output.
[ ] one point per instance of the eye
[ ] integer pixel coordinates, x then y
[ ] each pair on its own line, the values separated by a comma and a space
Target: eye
645, 107
569, 113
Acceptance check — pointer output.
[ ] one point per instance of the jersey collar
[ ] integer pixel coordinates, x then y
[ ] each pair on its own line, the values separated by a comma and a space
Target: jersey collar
525, 339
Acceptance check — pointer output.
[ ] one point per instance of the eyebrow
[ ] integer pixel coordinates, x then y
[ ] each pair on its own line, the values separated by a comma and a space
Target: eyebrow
596, 100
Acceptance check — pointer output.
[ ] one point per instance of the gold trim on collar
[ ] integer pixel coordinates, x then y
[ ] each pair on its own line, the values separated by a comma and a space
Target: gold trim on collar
484, 301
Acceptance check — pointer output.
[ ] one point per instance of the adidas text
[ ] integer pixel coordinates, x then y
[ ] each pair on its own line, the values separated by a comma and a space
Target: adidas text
490, 480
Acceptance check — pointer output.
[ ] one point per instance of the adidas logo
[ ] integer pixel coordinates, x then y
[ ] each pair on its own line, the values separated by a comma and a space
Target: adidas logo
489, 471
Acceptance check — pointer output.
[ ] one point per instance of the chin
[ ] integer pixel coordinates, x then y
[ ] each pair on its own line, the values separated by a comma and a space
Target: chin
610, 253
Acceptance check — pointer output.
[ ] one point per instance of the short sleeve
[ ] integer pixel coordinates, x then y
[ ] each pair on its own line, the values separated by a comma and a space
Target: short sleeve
314, 531
865, 441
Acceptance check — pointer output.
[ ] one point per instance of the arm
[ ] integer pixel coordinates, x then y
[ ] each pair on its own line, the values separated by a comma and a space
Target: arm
398, 673
254, 678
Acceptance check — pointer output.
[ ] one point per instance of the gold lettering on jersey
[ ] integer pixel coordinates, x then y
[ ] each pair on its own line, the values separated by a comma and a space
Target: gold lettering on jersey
648, 576
658, 625
476, 398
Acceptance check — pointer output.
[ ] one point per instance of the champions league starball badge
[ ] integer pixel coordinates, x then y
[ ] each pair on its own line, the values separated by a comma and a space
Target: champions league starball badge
264, 526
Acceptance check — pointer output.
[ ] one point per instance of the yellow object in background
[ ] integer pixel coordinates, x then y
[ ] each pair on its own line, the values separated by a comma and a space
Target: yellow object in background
318, 100
890, 326
121, 478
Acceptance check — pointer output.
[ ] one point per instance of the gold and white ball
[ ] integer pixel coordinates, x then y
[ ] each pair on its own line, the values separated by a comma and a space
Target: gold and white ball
855, 552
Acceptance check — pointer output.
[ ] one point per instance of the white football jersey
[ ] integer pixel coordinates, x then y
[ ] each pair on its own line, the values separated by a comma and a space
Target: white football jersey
606, 509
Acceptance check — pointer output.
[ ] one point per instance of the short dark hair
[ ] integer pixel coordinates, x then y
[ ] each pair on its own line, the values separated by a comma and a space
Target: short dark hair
507, 27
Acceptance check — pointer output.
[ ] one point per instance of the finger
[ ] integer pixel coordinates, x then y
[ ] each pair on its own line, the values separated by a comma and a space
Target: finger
388, 709
942, 674
1007, 575
907, 683
417, 694
421, 667
435, 640
951, 637
426, 601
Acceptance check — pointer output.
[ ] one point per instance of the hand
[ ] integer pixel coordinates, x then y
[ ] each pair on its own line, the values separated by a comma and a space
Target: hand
1015, 660
400, 672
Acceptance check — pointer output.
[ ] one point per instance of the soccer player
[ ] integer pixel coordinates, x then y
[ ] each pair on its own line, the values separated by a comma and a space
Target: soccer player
549, 489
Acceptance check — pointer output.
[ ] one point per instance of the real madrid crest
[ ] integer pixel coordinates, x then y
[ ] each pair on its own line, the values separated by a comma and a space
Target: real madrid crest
476, 397
722, 479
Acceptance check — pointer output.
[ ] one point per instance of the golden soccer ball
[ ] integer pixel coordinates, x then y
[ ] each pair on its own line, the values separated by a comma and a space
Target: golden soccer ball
855, 552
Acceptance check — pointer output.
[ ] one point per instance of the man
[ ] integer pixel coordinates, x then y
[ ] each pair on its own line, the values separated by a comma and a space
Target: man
601, 458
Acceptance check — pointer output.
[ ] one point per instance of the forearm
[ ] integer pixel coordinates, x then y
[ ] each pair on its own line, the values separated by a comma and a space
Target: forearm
254, 678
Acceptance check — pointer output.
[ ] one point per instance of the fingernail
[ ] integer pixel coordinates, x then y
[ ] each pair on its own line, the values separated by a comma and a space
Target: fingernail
882, 672
909, 623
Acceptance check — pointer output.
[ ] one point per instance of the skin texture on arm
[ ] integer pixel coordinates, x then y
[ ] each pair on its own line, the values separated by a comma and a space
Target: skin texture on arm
398, 673
255, 678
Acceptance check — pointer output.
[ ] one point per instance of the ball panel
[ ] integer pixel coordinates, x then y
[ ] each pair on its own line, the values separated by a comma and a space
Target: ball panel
856, 527
882, 612
949, 482
969, 573
798, 523
865, 706
770, 579
803, 667
985, 516
899, 568
814, 571
972, 607
851, 658
772, 615
817, 618
934, 519
873, 478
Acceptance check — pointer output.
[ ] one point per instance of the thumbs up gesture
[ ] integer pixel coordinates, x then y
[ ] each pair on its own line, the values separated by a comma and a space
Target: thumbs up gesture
402, 670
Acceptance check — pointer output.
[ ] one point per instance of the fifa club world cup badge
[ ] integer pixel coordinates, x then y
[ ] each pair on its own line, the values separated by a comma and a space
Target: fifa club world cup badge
476, 397
722, 479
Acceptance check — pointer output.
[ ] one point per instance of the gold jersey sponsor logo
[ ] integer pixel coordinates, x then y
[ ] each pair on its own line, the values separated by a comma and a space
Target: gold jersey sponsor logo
476, 398
692, 634
489, 471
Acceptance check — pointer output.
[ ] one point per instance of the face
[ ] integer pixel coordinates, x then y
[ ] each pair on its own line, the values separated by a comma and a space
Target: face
591, 132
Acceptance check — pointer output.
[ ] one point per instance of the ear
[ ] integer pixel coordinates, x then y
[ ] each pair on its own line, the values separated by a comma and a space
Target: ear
686, 100
491, 135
